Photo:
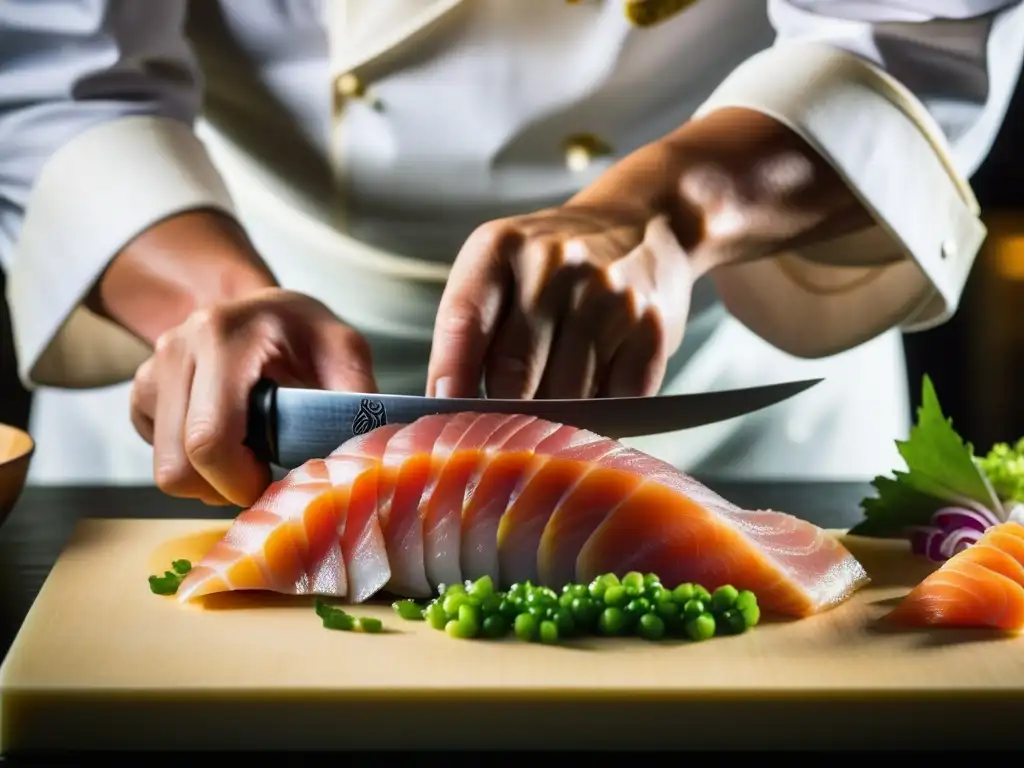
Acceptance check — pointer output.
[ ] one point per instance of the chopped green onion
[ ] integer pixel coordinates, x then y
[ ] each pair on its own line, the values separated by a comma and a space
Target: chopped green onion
408, 610
637, 604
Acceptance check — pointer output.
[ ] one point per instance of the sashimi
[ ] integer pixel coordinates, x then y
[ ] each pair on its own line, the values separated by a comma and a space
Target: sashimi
979, 587
460, 496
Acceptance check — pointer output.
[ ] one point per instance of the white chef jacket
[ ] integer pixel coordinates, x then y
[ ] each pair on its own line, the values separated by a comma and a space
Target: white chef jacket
360, 141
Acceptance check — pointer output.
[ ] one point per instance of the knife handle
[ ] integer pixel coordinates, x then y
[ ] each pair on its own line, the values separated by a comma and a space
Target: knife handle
261, 425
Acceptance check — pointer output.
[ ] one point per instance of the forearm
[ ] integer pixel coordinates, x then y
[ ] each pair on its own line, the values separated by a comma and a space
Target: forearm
736, 185
184, 263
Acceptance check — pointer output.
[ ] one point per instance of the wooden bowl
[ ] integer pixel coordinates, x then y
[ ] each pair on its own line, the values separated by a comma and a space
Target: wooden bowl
16, 449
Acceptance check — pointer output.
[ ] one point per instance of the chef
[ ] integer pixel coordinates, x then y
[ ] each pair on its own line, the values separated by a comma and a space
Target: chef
543, 197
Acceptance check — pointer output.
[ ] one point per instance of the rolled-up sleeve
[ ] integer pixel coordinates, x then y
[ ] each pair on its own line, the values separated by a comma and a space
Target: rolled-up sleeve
97, 102
904, 100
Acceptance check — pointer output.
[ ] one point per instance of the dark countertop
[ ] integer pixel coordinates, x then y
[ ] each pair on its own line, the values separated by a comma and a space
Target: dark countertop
33, 536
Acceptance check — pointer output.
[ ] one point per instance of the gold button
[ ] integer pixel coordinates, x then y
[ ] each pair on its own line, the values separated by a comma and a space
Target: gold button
647, 13
581, 149
349, 86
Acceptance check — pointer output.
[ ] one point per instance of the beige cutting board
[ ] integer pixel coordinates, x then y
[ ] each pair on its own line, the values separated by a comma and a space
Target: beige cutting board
103, 663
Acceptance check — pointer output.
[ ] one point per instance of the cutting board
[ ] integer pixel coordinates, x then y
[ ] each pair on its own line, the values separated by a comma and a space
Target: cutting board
102, 663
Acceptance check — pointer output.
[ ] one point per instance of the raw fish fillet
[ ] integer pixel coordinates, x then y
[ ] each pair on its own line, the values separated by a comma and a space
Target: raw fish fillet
406, 508
981, 586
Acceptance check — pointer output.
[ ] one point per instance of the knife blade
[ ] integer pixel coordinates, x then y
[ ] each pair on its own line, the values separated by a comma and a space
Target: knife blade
289, 426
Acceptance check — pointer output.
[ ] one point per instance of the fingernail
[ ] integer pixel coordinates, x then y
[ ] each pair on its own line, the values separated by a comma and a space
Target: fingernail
443, 387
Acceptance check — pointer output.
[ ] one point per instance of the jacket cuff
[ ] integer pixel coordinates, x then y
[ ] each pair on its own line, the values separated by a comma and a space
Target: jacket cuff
93, 197
895, 159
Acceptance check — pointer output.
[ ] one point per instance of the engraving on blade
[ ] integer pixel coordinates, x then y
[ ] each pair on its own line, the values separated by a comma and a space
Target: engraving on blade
370, 416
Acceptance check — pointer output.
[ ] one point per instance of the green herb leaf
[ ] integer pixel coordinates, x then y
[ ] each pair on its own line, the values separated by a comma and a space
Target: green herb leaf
165, 585
941, 468
1004, 466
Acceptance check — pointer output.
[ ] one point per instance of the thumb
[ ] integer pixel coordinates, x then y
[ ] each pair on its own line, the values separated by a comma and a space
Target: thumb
343, 360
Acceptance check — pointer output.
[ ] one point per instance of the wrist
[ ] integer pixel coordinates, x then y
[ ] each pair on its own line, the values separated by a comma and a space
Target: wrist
184, 263
653, 182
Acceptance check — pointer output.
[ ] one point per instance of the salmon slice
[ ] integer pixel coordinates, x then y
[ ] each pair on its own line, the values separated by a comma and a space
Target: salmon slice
460, 496
979, 587
672, 525
455, 463
539, 493
405, 469
287, 542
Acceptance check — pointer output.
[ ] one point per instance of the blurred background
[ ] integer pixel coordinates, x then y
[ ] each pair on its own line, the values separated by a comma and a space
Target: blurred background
972, 359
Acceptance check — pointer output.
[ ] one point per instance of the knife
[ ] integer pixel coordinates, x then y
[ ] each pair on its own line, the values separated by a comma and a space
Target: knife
287, 427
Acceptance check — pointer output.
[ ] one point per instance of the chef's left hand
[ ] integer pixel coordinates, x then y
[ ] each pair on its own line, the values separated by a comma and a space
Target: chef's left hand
579, 301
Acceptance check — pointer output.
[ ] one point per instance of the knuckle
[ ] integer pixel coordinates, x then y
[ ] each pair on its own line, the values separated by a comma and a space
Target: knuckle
460, 321
492, 234
167, 343
209, 321
202, 441
171, 476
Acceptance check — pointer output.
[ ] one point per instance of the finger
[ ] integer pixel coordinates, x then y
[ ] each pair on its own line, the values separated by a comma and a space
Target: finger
639, 363
215, 424
469, 312
142, 400
521, 348
588, 337
172, 470
343, 361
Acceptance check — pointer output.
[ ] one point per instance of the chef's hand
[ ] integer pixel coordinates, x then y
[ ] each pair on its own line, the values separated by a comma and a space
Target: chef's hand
571, 302
190, 399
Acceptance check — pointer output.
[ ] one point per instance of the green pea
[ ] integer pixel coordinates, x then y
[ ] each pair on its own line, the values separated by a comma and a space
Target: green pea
651, 627
435, 615
616, 596
460, 631
525, 627
482, 587
452, 603
490, 605
536, 599
667, 610
548, 632
565, 599
508, 609
495, 626
732, 622
701, 628
612, 621
579, 590
539, 612
610, 580
683, 594
745, 598
516, 590
597, 589
634, 580
451, 589
652, 580
638, 607
693, 609
724, 598
369, 625
657, 594
585, 611
340, 621
701, 594
563, 620
470, 616
408, 610
751, 615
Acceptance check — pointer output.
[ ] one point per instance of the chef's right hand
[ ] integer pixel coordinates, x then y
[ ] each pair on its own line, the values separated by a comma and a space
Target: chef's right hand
190, 399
